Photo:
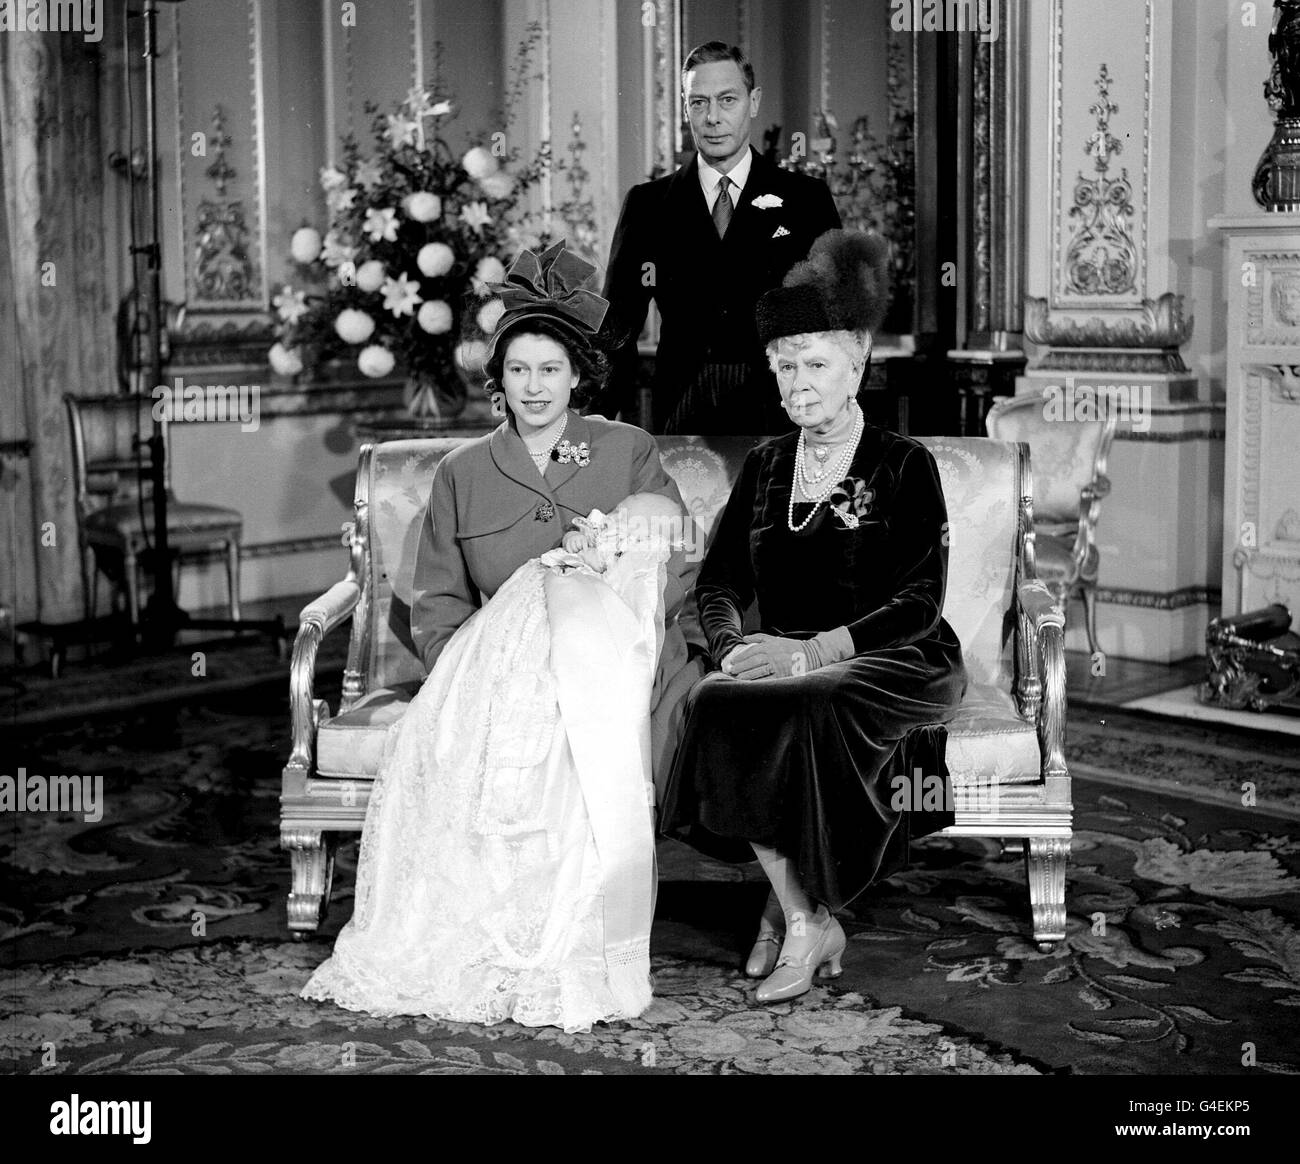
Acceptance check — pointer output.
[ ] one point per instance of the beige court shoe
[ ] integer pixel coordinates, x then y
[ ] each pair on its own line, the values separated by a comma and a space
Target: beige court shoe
793, 975
767, 946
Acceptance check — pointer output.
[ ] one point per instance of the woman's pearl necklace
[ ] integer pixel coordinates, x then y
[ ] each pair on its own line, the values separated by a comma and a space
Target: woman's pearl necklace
819, 493
540, 459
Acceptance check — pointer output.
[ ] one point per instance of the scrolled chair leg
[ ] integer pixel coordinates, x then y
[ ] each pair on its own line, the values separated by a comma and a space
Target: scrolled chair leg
311, 855
1045, 860
1089, 600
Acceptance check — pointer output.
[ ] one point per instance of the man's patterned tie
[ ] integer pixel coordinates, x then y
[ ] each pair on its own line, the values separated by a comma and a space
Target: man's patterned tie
722, 208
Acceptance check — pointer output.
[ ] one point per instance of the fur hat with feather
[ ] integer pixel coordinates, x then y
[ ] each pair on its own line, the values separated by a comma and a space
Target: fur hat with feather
843, 285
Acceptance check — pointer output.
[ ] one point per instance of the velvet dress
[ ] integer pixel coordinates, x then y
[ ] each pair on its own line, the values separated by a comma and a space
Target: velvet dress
809, 764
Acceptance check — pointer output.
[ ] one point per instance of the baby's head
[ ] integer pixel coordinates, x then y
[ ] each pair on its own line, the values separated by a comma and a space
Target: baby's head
642, 517
648, 507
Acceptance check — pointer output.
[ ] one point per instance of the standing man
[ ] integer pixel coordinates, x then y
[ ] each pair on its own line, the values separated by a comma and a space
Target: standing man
704, 243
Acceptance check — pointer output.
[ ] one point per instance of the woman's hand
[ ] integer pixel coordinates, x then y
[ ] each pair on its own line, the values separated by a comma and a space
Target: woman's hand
767, 657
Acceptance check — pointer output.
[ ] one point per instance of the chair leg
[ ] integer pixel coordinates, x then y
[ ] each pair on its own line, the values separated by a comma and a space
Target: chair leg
131, 579
1045, 860
87, 594
232, 576
311, 855
1089, 616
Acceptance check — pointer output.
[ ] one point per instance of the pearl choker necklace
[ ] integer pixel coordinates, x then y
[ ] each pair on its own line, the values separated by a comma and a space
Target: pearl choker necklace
540, 459
832, 474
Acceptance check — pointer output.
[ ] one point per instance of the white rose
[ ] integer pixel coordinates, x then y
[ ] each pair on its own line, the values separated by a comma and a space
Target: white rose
305, 245
489, 270
479, 163
435, 259
489, 315
498, 185
285, 361
423, 207
375, 361
370, 275
435, 317
354, 327
470, 355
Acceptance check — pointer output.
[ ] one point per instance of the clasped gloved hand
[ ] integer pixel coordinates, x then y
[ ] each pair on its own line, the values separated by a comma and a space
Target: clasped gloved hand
762, 656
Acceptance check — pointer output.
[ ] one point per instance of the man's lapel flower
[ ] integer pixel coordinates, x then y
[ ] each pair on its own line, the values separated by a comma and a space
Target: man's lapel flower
579, 454
768, 201
852, 502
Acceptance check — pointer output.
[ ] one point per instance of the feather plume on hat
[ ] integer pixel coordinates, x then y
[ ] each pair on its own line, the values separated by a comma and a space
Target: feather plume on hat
843, 285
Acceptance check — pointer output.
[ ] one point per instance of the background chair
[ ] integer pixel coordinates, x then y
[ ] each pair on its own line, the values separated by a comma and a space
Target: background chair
1069, 484
1006, 745
111, 500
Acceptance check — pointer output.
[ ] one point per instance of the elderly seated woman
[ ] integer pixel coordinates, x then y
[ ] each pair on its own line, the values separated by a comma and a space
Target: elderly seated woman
804, 745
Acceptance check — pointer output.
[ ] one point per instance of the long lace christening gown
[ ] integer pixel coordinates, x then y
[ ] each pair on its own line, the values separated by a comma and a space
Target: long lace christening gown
507, 858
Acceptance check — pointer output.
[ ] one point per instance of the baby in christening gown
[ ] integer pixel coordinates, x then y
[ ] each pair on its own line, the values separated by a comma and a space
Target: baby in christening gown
507, 860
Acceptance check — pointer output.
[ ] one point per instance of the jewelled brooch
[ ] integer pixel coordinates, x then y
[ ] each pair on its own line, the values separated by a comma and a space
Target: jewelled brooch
579, 454
851, 501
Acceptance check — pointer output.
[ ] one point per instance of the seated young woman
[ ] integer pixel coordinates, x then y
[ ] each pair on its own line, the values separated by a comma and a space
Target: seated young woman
507, 858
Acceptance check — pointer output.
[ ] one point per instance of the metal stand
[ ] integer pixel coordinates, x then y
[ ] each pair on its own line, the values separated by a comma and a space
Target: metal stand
162, 619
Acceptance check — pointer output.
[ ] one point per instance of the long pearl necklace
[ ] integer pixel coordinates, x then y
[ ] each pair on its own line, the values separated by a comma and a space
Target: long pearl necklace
540, 459
832, 474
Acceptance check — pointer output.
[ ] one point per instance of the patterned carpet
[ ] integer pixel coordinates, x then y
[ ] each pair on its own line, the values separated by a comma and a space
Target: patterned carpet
153, 940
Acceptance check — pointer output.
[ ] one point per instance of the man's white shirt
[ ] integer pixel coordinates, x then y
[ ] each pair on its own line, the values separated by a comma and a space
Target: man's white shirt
711, 178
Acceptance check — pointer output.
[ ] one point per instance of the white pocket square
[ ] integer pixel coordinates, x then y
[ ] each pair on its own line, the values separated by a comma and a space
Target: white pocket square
780, 232
767, 201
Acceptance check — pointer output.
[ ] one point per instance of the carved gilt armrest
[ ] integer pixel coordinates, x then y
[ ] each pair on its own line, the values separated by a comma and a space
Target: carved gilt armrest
318, 618
1043, 622
1085, 540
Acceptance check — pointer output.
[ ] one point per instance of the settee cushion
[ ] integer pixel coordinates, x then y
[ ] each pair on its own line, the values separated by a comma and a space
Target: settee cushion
352, 744
988, 742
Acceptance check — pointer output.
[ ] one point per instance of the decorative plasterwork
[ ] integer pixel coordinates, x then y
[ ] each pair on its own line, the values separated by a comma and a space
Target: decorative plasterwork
1143, 340
223, 243
1283, 382
1272, 298
1101, 258
1158, 323
1063, 294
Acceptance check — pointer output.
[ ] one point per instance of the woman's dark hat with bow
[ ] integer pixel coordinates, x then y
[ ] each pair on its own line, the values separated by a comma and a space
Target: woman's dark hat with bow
549, 287
843, 285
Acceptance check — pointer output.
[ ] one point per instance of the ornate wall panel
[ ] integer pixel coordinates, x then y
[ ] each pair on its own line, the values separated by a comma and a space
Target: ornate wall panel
1106, 147
219, 235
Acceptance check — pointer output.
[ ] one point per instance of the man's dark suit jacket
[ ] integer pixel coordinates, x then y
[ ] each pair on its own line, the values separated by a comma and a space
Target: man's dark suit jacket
666, 248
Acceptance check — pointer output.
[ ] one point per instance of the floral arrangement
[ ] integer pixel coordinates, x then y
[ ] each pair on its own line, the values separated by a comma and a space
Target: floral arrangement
416, 237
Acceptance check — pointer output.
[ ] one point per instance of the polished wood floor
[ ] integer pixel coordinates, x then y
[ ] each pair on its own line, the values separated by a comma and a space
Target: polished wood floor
1125, 679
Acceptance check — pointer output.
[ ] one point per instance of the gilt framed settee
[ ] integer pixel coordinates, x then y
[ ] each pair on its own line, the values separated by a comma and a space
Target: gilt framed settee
1005, 746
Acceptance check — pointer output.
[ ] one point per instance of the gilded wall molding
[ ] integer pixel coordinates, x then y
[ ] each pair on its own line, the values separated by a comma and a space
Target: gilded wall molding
307, 545
666, 37
981, 118
824, 56
1160, 599
256, 66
